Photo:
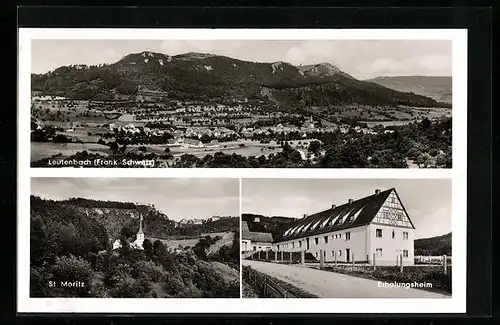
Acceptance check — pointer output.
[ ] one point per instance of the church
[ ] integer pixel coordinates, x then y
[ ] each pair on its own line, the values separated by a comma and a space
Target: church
373, 227
137, 244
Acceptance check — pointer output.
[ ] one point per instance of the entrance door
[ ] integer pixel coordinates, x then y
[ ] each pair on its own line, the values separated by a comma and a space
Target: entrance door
307, 243
348, 255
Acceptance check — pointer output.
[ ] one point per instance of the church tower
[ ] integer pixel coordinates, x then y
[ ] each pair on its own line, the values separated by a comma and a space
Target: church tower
140, 234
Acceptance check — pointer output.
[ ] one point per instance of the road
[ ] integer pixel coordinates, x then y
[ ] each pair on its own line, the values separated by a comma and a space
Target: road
326, 284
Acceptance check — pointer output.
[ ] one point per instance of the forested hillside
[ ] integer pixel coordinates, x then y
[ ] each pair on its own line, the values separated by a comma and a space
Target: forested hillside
433, 246
200, 76
260, 223
70, 245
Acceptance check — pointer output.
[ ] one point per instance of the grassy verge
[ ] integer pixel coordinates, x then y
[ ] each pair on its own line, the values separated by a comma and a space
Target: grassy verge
248, 291
441, 283
290, 288
295, 291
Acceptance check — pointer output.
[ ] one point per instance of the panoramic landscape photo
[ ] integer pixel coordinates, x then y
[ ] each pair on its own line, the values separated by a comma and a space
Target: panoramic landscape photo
346, 238
134, 238
241, 103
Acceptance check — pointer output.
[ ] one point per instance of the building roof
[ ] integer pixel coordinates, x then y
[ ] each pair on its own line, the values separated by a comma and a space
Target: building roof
192, 141
261, 237
349, 215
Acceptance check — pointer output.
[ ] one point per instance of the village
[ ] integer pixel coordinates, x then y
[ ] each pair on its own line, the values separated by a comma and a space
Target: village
168, 130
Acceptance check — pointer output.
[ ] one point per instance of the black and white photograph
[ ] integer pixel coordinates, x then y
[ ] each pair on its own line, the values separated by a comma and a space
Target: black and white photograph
177, 103
346, 238
134, 238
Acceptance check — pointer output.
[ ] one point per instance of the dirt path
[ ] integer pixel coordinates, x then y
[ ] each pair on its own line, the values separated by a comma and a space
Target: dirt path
227, 239
335, 285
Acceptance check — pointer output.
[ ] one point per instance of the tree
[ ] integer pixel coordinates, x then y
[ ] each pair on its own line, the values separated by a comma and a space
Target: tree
148, 247
314, 147
73, 276
127, 232
113, 146
158, 248
425, 124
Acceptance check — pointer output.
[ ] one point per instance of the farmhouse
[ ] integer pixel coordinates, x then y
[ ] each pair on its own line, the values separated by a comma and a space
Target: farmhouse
193, 221
213, 144
255, 241
127, 118
137, 244
192, 143
355, 231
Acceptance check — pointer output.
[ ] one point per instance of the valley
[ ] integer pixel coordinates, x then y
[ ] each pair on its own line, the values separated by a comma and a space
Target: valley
176, 110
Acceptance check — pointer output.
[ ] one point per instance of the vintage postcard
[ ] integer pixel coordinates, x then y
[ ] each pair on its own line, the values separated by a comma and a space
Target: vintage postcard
356, 238
241, 103
210, 170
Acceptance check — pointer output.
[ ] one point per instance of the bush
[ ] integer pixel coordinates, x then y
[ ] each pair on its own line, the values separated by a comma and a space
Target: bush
69, 273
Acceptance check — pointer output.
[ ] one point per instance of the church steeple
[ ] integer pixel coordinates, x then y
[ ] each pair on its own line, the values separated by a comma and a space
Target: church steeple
140, 226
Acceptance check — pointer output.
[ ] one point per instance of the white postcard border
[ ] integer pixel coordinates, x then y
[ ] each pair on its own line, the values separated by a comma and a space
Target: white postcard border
458, 174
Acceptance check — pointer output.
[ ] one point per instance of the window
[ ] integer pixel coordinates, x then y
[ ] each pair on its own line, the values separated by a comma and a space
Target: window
405, 235
405, 253
316, 254
278, 247
340, 252
378, 233
340, 236
268, 248
293, 244
326, 239
379, 251
393, 234
300, 243
260, 247
333, 253
333, 236
348, 235
254, 248
316, 241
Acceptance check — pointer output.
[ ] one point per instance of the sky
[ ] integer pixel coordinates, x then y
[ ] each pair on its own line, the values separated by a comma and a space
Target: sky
176, 197
427, 201
363, 59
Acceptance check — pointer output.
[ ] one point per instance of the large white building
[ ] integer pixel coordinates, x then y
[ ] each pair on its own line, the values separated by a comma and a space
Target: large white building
255, 241
357, 230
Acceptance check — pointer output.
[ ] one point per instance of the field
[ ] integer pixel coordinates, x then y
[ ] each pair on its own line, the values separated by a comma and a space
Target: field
228, 273
86, 126
40, 150
250, 148
191, 242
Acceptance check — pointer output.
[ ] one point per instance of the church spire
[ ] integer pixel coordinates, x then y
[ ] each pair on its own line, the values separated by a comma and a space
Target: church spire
140, 225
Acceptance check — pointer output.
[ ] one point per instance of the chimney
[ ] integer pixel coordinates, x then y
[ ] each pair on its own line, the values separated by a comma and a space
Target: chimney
377, 191
305, 215
350, 201
333, 206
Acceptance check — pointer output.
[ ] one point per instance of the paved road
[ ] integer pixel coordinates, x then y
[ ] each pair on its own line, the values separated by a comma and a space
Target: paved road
335, 285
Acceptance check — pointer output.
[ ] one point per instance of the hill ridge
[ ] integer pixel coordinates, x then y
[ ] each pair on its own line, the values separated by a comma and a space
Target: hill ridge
208, 76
